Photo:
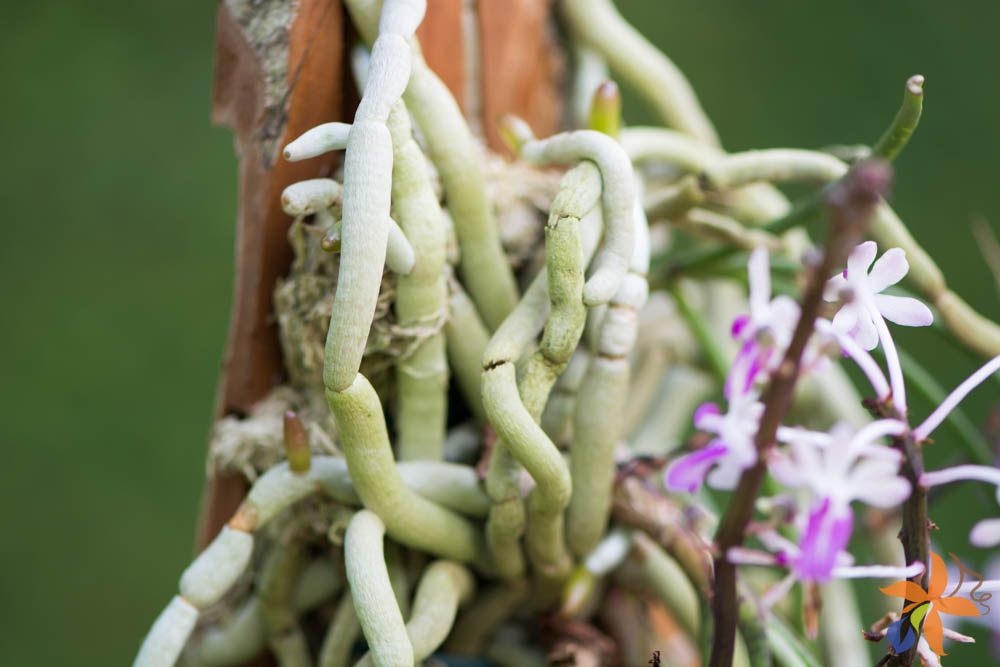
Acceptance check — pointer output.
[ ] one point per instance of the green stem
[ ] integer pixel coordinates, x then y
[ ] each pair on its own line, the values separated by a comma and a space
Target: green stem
774, 164
752, 626
374, 600
450, 485
598, 24
839, 624
410, 519
598, 422
399, 577
341, 634
666, 580
421, 377
278, 615
442, 588
565, 269
897, 135
557, 418
714, 355
484, 615
240, 637
467, 337
788, 651
509, 410
485, 271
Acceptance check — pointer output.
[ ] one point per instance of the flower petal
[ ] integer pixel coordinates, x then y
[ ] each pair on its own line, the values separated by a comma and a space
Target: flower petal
906, 590
860, 259
703, 411
985, 534
933, 631
927, 656
904, 310
846, 318
877, 572
785, 470
956, 606
834, 287
785, 312
957, 636
888, 270
865, 333
939, 576
726, 475
826, 535
884, 492
739, 324
686, 474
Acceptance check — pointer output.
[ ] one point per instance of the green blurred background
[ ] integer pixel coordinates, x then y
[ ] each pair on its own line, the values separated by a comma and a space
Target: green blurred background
118, 202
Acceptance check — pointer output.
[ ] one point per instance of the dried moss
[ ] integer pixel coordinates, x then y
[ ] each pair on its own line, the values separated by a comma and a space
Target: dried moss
252, 444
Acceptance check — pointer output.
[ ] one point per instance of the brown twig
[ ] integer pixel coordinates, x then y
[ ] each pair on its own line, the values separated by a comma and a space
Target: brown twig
914, 533
851, 203
635, 505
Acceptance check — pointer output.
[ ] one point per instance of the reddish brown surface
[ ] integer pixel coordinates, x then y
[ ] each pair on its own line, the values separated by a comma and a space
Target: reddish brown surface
521, 68
252, 363
440, 36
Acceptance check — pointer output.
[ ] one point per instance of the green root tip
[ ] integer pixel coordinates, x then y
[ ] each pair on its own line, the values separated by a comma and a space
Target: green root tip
606, 109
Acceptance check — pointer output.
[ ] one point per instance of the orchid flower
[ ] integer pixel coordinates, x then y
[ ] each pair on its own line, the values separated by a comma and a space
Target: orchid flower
782, 552
859, 355
862, 292
732, 450
836, 469
865, 306
767, 330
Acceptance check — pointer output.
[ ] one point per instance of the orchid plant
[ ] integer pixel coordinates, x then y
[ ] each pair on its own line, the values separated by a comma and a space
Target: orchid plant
828, 470
581, 338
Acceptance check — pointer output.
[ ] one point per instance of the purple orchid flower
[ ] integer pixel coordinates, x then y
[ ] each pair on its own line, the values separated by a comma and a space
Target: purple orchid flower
836, 469
767, 330
730, 453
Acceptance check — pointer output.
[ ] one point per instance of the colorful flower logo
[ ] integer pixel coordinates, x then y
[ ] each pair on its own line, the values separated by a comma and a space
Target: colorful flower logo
926, 607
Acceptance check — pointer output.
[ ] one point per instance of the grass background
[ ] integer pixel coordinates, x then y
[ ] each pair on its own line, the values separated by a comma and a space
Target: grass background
118, 201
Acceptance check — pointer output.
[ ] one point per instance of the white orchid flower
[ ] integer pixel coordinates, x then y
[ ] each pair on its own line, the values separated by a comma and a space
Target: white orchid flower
862, 289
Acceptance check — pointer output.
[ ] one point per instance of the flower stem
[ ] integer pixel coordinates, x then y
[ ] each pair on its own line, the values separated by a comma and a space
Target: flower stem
915, 531
851, 205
